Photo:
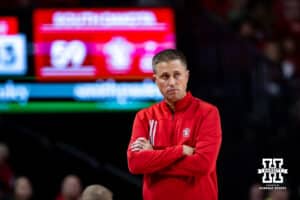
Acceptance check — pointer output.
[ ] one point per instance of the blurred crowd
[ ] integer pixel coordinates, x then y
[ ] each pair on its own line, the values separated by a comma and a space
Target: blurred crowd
256, 193
273, 28
20, 187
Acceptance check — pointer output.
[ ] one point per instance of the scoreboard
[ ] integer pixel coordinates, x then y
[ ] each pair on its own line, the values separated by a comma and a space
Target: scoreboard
83, 60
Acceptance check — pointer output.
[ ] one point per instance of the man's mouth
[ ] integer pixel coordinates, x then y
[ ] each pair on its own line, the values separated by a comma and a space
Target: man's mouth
172, 90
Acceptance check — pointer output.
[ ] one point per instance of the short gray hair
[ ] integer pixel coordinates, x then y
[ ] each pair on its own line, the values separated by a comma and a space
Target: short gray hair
168, 55
96, 192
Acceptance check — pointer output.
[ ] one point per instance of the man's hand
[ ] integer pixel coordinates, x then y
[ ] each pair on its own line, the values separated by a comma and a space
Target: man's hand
141, 144
188, 150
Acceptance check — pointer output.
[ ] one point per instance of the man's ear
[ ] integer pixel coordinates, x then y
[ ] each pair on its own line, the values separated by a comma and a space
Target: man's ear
188, 74
154, 77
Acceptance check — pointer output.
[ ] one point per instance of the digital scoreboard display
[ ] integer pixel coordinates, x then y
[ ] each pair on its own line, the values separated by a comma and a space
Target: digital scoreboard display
89, 60
100, 43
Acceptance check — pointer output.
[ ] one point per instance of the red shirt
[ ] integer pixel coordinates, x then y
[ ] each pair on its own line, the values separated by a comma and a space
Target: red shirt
6, 176
168, 174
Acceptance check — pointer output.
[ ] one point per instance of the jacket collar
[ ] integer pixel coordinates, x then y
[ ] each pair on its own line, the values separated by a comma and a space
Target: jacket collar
182, 104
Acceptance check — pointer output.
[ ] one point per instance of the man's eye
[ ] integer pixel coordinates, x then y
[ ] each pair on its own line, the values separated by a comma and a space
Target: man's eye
177, 75
165, 77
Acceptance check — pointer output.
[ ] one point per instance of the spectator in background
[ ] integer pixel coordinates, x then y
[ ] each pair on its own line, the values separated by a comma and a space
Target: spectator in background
6, 173
96, 192
272, 51
273, 54
290, 61
255, 193
248, 31
70, 188
279, 195
22, 189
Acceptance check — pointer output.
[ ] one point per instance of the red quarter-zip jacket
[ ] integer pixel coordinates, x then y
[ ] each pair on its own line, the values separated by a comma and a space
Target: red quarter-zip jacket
168, 174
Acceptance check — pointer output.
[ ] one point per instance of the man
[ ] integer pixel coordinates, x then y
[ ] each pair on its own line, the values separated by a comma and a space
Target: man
22, 189
71, 188
176, 142
96, 192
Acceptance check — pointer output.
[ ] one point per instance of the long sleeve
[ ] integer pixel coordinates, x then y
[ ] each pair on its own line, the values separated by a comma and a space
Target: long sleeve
149, 161
203, 161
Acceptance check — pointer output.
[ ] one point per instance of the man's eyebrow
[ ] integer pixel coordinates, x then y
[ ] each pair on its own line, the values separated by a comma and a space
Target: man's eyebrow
164, 73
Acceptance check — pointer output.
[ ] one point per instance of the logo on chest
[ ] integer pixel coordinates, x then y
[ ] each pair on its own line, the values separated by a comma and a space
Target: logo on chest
186, 132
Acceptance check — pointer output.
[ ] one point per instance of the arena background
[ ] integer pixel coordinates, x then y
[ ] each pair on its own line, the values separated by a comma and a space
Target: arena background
231, 69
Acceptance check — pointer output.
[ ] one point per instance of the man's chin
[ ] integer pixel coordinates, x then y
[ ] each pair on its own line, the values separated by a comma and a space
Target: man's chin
172, 98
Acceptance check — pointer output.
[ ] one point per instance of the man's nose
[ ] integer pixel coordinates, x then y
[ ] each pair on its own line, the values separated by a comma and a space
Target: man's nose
172, 81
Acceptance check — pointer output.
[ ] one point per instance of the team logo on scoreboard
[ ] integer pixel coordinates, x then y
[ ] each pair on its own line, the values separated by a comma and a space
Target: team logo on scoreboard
118, 54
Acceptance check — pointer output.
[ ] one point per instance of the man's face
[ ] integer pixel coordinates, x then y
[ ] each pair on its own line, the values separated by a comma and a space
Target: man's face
23, 189
71, 187
171, 78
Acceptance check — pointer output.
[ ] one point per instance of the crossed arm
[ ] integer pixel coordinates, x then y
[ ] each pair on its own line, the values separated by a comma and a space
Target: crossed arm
180, 160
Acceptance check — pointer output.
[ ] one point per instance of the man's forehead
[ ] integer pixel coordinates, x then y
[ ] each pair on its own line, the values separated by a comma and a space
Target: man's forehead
170, 65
